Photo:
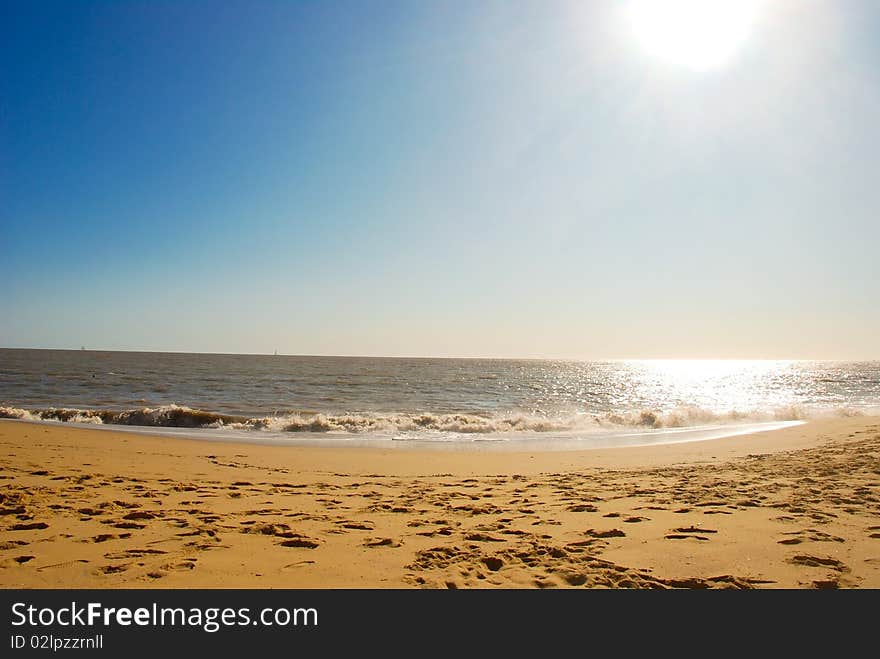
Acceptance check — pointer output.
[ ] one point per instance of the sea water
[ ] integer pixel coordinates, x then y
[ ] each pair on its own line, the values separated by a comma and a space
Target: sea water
363, 400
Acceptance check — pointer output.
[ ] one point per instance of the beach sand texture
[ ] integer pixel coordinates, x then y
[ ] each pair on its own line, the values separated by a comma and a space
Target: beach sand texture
793, 508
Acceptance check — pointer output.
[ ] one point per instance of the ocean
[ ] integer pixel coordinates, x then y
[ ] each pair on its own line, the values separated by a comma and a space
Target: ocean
403, 401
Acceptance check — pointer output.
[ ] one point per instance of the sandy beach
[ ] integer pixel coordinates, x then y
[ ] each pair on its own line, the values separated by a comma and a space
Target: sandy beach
791, 508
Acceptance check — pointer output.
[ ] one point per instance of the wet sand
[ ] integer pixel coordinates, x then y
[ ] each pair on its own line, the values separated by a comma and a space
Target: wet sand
791, 508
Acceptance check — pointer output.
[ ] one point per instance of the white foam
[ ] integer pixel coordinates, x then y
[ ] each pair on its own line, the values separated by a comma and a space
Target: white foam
552, 441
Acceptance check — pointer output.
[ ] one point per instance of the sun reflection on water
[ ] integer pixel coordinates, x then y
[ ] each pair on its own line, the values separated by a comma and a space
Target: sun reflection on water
717, 385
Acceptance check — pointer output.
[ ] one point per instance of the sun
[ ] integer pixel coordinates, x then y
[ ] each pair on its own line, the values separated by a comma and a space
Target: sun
695, 34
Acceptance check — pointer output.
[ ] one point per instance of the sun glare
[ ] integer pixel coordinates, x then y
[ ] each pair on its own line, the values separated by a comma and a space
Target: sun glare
696, 34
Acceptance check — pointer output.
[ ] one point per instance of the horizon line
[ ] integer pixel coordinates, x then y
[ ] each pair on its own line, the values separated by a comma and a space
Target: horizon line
495, 358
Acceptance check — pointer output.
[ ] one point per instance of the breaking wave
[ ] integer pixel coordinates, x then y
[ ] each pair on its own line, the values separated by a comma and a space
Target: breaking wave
177, 416
172, 416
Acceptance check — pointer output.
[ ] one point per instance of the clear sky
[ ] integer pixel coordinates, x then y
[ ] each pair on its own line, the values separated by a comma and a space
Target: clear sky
512, 179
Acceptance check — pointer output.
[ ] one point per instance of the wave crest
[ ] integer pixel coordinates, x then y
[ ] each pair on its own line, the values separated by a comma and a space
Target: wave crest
179, 416
176, 416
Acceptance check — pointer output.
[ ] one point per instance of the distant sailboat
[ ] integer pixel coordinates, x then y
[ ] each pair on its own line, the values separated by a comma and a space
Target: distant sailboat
276, 353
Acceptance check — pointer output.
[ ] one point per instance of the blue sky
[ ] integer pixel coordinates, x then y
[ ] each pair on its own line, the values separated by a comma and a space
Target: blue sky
514, 179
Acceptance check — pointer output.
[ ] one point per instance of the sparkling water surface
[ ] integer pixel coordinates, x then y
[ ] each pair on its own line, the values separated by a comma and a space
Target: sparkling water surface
426, 398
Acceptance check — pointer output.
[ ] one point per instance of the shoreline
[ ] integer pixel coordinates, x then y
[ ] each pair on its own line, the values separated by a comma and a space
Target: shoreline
533, 441
792, 508
465, 458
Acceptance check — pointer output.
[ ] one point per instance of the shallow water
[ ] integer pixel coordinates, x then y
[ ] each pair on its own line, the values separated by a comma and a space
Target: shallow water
438, 400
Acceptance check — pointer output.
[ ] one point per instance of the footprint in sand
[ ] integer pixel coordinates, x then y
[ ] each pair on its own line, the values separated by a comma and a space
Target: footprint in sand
818, 561
303, 543
445, 531
575, 579
133, 553
358, 526
582, 508
29, 526
12, 544
493, 563
826, 584
808, 534
139, 514
128, 525
114, 569
90, 512
15, 560
104, 537
482, 537
15, 510
125, 504
610, 533
280, 529
790, 541
382, 542
693, 529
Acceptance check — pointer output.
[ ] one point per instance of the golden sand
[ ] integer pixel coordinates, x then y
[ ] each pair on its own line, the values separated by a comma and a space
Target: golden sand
792, 508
